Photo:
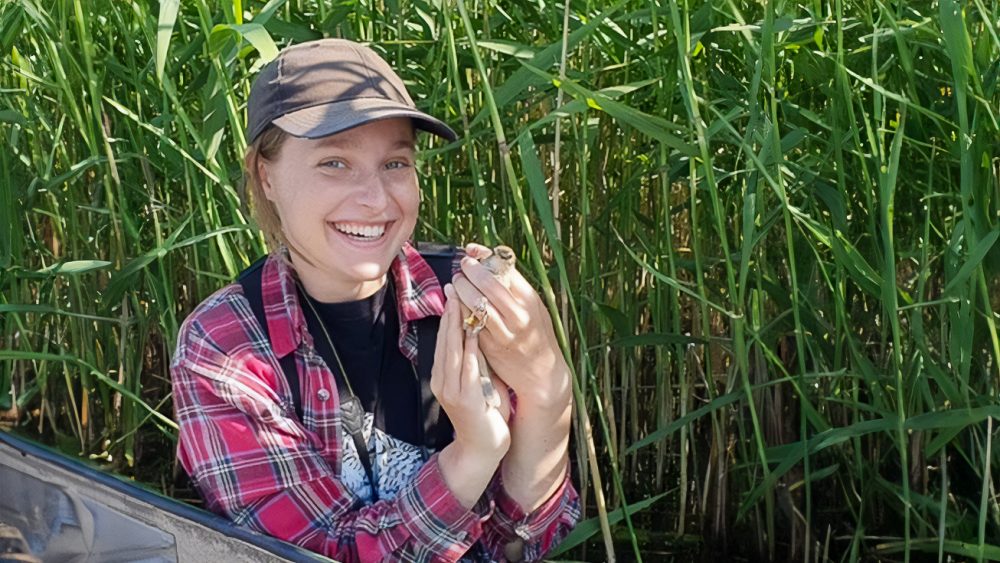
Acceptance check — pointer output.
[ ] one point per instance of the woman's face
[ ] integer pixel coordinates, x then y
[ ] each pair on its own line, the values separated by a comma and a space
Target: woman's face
347, 203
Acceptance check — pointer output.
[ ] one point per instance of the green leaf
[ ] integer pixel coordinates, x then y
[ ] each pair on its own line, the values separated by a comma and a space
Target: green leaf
990, 552
793, 453
268, 10
956, 40
294, 32
952, 418
124, 278
509, 48
657, 339
971, 263
254, 33
74, 267
576, 106
11, 116
677, 424
620, 324
164, 30
584, 530
652, 125
32, 308
676, 284
103, 377
523, 79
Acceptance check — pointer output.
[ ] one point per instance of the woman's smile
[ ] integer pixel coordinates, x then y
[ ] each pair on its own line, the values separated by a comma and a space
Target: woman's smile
361, 232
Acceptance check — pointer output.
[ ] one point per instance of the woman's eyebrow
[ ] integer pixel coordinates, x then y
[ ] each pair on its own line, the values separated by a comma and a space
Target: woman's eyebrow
340, 141
405, 144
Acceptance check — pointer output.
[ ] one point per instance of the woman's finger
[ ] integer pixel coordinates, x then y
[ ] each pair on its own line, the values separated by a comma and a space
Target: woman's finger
477, 250
471, 386
440, 349
490, 286
504, 392
451, 384
469, 295
520, 289
496, 324
527, 302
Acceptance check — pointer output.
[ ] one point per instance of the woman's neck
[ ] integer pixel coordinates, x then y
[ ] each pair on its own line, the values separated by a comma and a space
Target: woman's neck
325, 288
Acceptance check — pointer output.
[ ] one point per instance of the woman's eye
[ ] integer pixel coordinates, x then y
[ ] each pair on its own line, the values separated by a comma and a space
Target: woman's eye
396, 164
333, 164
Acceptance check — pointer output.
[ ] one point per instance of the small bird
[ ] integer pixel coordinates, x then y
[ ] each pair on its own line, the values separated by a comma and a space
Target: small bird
500, 263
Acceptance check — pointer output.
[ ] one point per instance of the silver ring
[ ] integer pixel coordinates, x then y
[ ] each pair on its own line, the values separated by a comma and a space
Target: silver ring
476, 321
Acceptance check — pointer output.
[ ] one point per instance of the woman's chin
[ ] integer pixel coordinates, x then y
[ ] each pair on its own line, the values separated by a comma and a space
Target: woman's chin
342, 266
365, 273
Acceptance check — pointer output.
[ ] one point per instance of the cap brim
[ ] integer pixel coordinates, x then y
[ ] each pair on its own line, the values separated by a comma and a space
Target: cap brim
328, 119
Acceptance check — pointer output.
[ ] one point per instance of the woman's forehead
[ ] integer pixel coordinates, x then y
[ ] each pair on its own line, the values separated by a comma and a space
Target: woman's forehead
396, 132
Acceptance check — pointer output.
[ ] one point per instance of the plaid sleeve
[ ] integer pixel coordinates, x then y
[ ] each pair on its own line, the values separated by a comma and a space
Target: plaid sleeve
536, 533
262, 469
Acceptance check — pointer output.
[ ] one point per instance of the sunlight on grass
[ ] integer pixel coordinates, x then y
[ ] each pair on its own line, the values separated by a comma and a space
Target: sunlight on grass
770, 254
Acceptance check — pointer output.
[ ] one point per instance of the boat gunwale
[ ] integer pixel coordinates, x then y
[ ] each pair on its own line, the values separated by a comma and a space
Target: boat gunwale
136, 491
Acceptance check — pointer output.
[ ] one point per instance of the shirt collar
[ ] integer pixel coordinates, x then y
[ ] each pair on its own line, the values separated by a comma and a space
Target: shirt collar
418, 295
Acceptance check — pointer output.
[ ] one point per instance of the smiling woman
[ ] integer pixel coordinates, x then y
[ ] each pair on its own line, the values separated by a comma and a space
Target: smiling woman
309, 395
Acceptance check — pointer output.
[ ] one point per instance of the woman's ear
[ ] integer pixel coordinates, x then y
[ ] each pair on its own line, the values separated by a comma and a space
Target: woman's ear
265, 181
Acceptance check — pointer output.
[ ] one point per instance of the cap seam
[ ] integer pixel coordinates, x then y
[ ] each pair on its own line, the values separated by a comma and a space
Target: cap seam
366, 65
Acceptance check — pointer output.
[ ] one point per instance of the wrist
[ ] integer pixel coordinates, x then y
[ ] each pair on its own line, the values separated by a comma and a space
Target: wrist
466, 473
473, 456
528, 488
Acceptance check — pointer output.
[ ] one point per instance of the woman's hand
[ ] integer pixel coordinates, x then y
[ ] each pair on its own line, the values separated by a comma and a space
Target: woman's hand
520, 345
519, 341
482, 436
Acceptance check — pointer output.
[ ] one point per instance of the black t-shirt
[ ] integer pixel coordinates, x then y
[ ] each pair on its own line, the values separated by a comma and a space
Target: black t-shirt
366, 334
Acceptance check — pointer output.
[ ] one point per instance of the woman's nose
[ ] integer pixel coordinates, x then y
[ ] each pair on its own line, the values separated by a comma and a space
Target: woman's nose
373, 191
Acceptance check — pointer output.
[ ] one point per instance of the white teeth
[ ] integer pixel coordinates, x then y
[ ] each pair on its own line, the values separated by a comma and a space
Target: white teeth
366, 231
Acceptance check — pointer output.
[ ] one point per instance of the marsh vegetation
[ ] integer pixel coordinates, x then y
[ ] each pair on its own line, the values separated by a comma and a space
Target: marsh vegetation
766, 230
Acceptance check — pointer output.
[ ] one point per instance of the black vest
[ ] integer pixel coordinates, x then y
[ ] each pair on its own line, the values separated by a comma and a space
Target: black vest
437, 429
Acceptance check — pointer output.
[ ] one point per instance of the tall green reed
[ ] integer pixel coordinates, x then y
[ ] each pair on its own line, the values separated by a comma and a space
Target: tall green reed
766, 233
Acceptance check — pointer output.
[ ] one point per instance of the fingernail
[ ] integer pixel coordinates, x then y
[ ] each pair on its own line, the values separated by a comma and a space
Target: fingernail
448, 290
468, 260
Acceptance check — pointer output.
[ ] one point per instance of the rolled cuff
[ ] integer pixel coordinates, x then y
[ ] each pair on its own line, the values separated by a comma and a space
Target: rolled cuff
435, 517
532, 535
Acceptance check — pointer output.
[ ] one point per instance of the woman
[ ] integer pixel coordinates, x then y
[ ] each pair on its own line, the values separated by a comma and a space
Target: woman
345, 465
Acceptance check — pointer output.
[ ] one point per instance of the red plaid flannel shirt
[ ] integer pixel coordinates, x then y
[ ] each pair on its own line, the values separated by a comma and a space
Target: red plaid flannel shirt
257, 464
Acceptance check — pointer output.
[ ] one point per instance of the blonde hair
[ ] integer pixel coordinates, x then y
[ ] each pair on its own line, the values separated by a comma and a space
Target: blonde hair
267, 146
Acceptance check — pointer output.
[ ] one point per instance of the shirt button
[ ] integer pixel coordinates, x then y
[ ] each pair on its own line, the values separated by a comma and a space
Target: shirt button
323, 394
514, 551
